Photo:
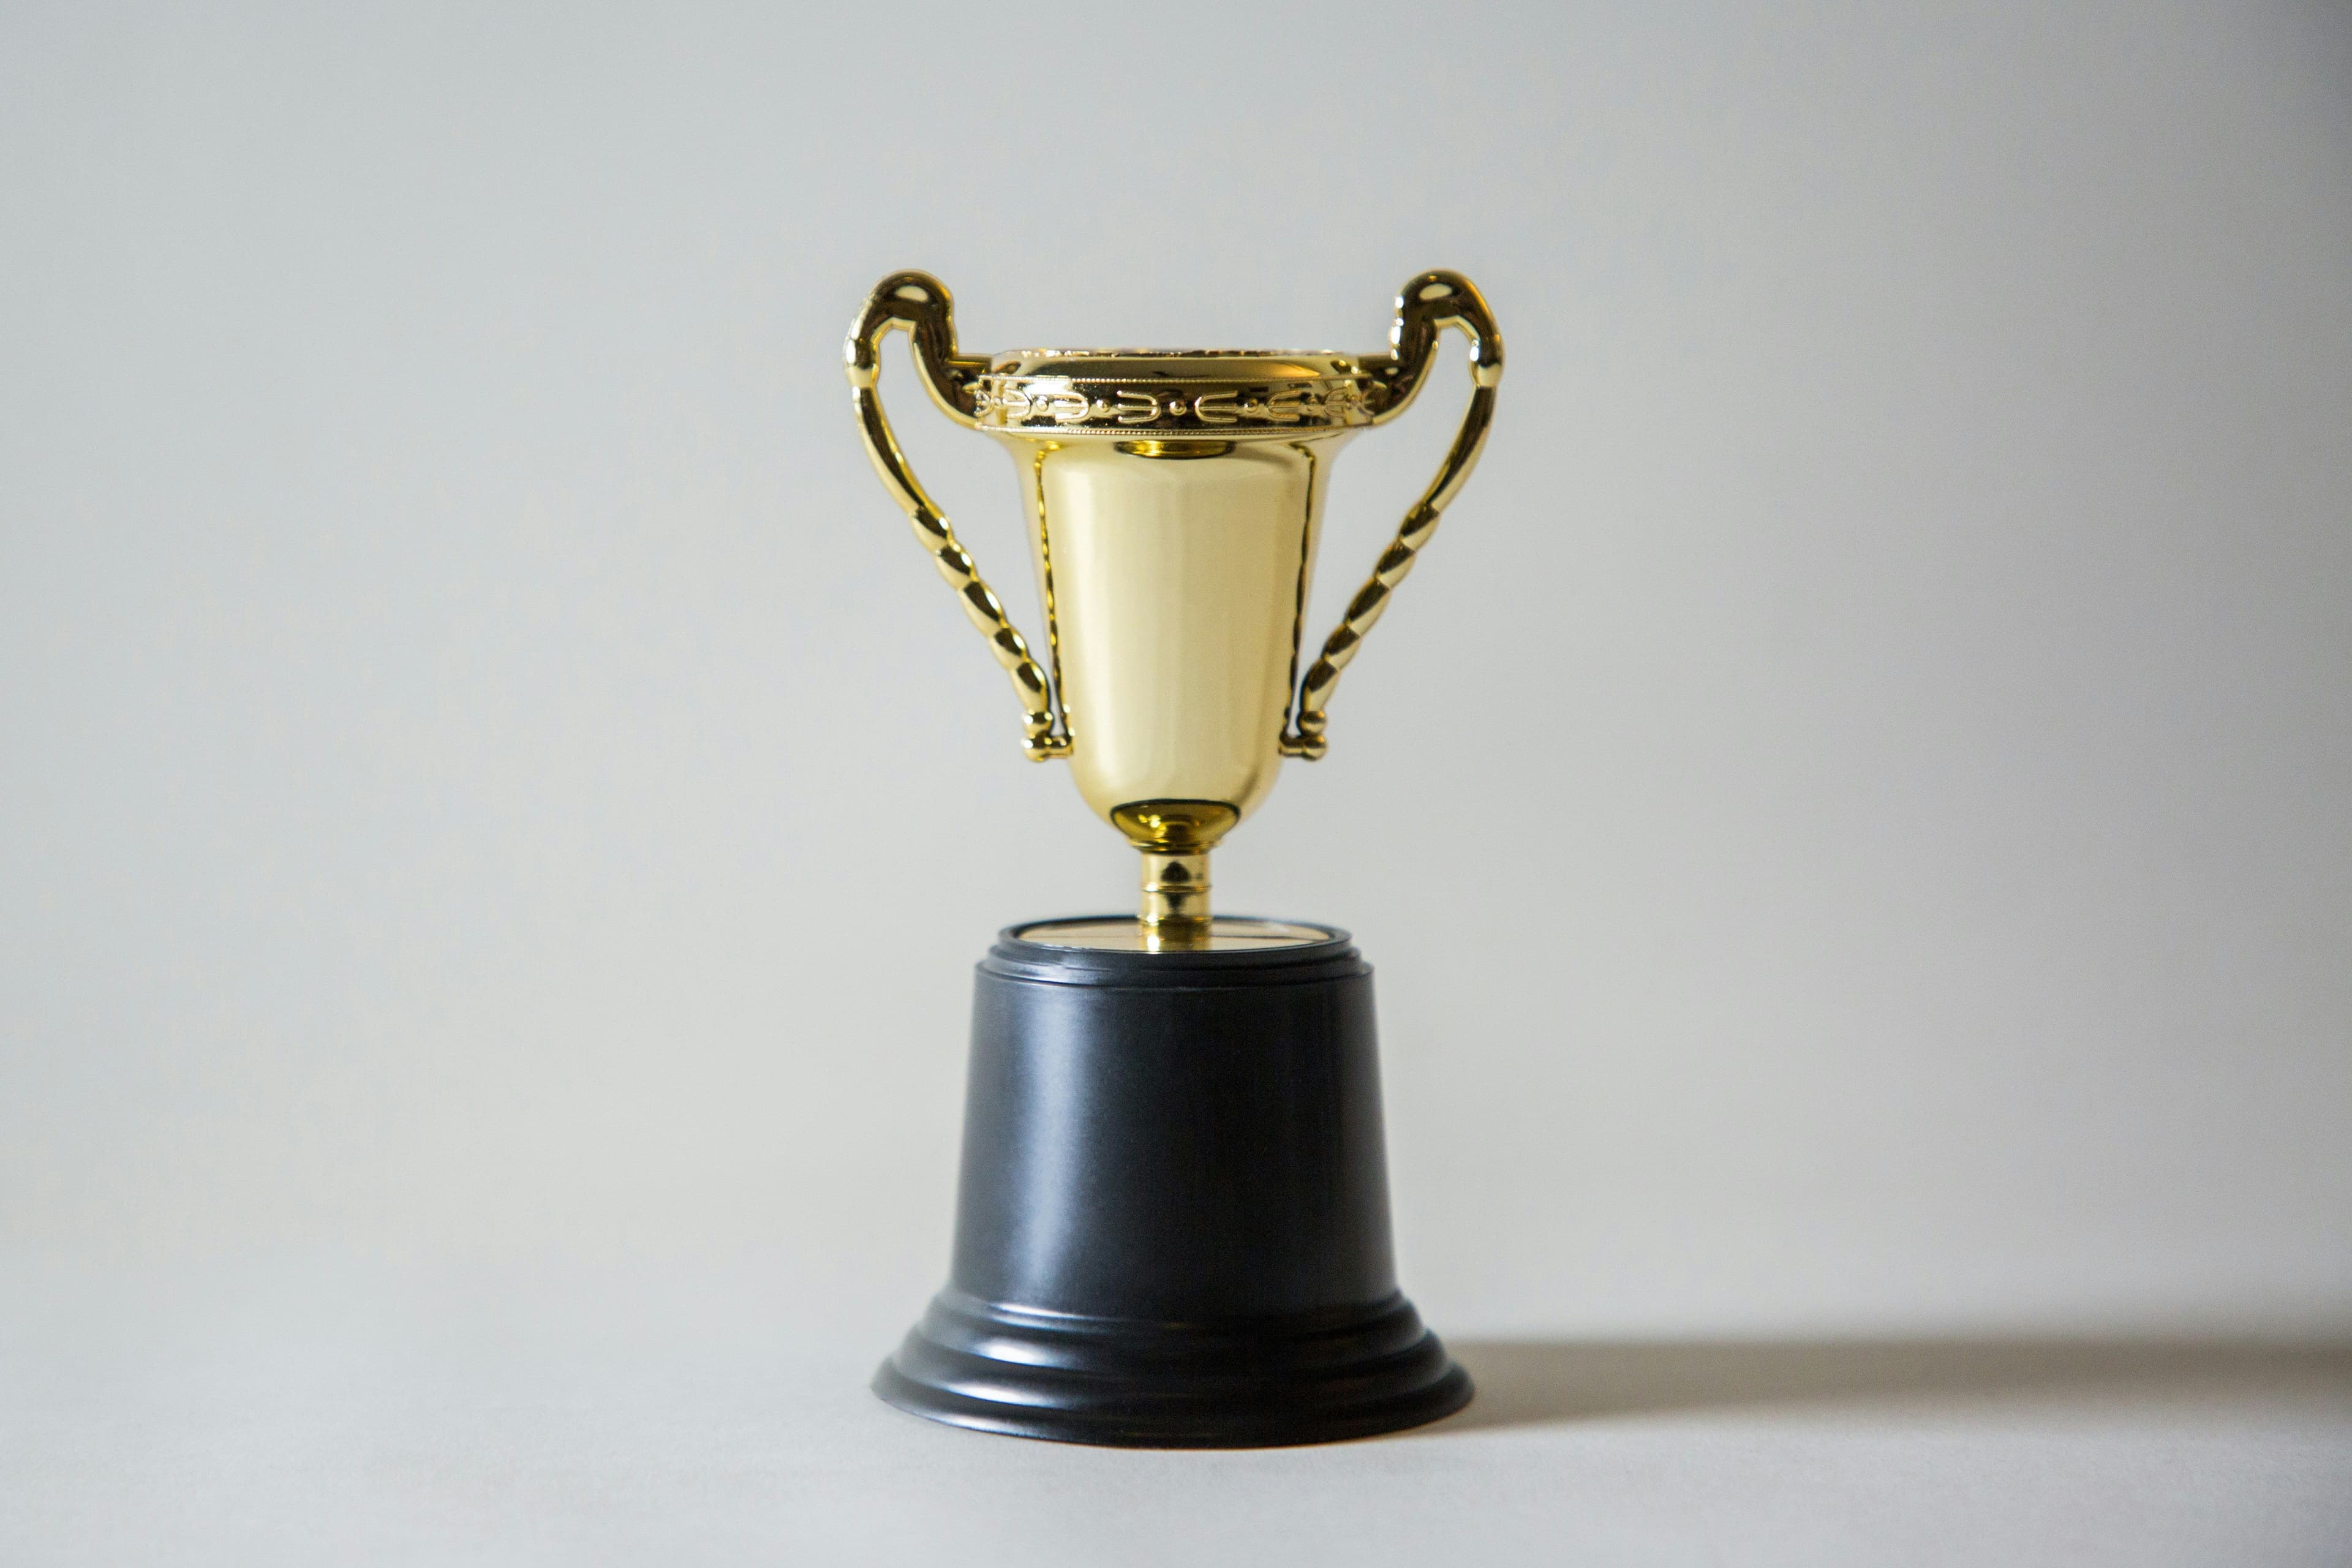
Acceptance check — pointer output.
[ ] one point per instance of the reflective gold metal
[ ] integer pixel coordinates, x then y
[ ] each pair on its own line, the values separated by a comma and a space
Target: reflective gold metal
1174, 499
1225, 934
918, 303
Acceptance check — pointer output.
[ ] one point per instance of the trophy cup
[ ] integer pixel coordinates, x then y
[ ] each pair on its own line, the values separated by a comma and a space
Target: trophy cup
1171, 1220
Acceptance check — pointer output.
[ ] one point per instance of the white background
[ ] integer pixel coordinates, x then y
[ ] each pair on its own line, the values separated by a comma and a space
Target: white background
1850, 815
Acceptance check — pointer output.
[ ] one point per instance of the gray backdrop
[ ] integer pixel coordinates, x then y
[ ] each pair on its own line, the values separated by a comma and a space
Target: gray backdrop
1850, 815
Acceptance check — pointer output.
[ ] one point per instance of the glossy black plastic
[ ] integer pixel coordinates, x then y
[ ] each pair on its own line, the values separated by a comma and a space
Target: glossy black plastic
1172, 1227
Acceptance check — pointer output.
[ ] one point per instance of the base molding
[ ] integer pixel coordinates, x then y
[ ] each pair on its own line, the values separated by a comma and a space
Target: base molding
1310, 1377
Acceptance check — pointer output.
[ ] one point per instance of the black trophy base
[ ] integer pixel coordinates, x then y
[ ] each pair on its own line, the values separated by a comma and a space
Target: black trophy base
1172, 1225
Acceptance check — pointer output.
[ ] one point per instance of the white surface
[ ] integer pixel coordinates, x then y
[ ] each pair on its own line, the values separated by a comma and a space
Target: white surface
1849, 815
316, 1415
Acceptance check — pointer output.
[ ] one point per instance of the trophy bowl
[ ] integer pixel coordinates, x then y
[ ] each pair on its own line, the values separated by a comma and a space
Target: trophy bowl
1173, 1219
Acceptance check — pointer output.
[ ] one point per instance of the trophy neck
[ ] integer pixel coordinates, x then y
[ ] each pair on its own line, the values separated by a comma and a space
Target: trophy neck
1175, 838
1175, 906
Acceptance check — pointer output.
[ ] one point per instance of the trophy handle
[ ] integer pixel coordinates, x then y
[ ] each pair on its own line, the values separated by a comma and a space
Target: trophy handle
920, 303
1431, 302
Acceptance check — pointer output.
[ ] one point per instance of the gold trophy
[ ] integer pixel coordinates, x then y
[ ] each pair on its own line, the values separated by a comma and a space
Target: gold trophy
1172, 1223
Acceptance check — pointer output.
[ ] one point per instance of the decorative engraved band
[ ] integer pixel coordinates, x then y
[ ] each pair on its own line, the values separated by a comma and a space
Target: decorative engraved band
1160, 408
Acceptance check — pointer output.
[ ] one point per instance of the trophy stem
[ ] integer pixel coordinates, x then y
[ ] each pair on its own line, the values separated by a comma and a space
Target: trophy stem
1175, 911
1175, 838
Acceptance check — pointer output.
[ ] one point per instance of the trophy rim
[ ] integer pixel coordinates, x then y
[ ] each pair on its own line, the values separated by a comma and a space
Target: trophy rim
1178, 364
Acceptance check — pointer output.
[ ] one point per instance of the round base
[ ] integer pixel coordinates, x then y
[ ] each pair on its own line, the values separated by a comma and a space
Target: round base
1172, 1221
1311, 1378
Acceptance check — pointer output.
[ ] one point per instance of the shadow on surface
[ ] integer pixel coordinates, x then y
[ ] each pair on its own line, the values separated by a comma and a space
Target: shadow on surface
1527, 1383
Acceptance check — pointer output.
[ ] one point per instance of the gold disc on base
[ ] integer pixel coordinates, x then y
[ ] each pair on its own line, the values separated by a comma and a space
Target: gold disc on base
1226, 933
